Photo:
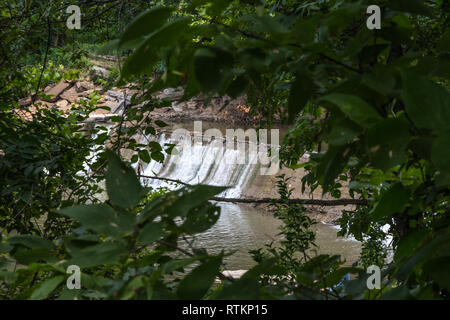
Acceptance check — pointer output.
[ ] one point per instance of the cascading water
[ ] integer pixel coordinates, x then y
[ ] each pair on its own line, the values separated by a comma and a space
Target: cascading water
211, 163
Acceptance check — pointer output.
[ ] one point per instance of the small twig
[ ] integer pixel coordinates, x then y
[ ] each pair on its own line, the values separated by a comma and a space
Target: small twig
315, 202
33, 98
122, 120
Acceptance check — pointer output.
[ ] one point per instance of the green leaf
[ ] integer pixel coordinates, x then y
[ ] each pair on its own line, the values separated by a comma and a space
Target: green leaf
265, 267
444, 43
122, 183
177, 264
354, 108
196, 284
269, 25
151, 233
145, 24
160, 123
438, 268
410, 6
100, 254
31, 241
44, 289
379, 80
201, 219
4, 248
331, 165
144, 58
437, 247
100, 218
396, 35
335, 277
150, 130
143, 154
237, 86
194, 4
409, 243
369, 54
393, 200
440, 156
301, 92
68, 294
216, 7
179, 202
426, 102
9, 277
155, 146
387, 142
246, 288
397, 293
211, 66
110, 46
158, 156
343, 131
433, 66
28, 256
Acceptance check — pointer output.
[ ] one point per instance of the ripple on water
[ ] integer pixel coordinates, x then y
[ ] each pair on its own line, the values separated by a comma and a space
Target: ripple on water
242, 228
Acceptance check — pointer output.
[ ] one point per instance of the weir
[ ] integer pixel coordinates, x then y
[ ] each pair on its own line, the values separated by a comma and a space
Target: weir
210, 162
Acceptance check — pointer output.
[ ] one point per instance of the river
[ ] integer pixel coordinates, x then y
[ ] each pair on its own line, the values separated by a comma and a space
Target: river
241, 227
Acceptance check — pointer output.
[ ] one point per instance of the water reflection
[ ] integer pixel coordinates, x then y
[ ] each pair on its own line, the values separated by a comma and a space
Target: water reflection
242, 228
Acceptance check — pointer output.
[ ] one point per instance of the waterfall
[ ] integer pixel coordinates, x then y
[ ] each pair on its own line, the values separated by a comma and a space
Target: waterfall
211, 162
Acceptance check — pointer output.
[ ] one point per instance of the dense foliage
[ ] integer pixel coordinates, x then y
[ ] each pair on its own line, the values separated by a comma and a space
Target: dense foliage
373, 103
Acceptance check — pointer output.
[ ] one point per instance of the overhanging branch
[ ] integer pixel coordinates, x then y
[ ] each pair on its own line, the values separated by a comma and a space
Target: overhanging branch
314, 202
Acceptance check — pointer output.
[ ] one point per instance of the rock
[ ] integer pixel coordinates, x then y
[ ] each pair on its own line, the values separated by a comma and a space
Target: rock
120, 107
57, 90
86, 93
83, 86
169, 91
117, 95
112, 105
101, 71
109, 98
99, 117
71, 95
99, 89
177, 107
43, 104
63, 105
25, 102
164, 110
191, 105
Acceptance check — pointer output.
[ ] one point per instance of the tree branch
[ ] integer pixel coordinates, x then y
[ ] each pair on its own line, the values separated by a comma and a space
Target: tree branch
314, 202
